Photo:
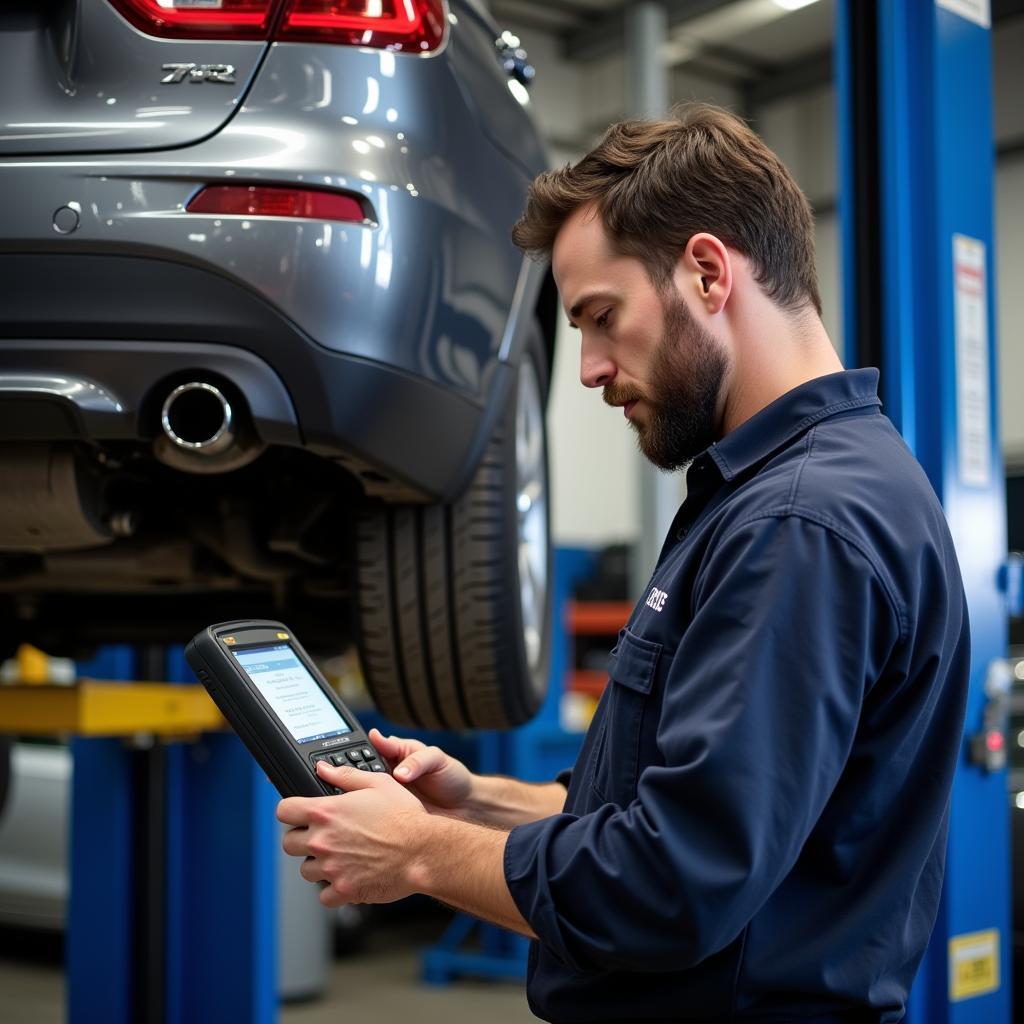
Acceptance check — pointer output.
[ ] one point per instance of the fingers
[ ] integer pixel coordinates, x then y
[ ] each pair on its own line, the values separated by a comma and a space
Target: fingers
420, 763
349, 779
295, 810
296, 842
299, 810
330, 897
394, 748
312, 871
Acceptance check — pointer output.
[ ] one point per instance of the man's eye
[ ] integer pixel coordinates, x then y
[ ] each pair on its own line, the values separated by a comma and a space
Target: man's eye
602, 320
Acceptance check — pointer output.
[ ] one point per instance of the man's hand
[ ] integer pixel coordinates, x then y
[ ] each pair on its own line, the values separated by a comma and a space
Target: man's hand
376, 843
447, 787
362, 843
443, 783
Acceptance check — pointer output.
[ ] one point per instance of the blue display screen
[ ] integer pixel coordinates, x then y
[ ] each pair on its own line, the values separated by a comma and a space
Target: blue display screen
293, 694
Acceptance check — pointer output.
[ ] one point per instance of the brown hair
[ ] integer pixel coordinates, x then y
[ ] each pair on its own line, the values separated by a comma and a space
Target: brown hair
658, 183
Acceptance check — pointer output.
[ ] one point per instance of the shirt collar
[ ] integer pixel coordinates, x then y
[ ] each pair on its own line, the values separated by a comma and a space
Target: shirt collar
785, 418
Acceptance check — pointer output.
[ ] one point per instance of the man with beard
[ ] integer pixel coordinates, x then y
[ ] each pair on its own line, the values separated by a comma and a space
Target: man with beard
755, 827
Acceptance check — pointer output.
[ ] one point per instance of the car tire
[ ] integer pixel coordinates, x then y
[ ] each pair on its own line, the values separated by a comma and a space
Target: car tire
454, 600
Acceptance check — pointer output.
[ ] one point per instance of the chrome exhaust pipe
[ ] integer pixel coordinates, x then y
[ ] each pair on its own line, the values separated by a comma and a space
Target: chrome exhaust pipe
198, 419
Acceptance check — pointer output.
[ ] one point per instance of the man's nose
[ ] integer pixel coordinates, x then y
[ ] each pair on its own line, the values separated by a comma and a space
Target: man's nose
596, 369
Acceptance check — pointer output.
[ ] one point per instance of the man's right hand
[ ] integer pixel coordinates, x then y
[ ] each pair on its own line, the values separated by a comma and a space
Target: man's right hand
443, 783
446, 786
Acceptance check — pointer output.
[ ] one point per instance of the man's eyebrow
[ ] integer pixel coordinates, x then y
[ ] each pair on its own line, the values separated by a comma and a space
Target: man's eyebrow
584, 302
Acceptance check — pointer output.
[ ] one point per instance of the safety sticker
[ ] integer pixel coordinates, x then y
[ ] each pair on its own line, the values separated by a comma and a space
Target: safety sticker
974, 406
973, 964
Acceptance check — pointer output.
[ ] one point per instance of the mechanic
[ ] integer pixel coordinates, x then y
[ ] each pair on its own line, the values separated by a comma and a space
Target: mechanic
755, 827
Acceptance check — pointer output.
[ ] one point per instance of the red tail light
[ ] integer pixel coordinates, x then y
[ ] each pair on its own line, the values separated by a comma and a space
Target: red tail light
386, 24
406, 25
277, 201
223, 19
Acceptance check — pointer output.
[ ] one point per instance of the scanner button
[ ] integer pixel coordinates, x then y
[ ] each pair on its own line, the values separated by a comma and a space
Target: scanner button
363, 766
354, 756
376, 766
368, 753
337, 760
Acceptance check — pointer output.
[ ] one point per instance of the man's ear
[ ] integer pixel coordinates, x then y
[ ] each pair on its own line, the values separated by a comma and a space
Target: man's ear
704, 272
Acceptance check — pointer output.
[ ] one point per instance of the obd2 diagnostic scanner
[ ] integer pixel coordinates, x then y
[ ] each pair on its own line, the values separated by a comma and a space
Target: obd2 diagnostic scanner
285, 712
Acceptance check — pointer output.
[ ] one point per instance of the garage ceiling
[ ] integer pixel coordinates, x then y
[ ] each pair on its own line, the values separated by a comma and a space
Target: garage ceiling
746, 37
754, 44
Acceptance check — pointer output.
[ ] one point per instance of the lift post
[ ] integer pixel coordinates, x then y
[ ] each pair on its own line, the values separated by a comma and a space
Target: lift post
172, 915
914, 90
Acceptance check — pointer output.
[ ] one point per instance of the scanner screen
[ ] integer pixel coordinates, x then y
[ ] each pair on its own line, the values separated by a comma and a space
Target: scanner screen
294, 695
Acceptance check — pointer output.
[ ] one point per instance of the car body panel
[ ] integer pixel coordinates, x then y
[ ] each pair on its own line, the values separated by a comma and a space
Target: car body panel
443, 203
370, 360
85, 80
488, 87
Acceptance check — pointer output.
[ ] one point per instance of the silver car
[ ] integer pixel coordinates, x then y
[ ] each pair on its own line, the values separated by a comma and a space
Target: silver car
266, 346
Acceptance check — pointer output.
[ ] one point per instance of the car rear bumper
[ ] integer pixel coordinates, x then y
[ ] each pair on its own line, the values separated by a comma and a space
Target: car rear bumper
121, 325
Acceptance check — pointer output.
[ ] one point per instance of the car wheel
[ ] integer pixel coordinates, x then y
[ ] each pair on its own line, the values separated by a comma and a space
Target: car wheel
454, 600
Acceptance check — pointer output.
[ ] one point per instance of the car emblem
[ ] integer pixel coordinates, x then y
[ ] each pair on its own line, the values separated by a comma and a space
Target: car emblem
223, 73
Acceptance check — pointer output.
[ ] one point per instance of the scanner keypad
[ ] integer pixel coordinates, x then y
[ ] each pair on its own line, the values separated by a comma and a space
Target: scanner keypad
362, 757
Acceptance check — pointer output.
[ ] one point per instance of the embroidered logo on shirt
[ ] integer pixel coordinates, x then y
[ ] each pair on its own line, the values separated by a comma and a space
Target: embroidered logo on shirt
656, 599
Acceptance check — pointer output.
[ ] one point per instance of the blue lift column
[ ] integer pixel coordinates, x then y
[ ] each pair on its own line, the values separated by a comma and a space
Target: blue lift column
174, 856
914, 89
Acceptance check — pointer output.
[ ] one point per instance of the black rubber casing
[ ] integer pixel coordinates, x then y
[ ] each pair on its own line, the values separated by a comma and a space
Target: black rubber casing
289, 765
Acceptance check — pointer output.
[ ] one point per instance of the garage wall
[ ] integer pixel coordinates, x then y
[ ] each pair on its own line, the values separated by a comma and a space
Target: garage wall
594, 460
801, 130
592, 456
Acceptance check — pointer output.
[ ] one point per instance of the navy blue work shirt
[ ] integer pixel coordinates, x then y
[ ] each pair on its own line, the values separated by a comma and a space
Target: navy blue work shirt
755, 827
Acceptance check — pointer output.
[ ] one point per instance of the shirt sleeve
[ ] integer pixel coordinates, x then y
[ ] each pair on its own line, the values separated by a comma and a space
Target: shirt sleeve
790, 627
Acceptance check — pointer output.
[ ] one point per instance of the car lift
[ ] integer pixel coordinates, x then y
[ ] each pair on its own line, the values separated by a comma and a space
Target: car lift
917, 154
172, 915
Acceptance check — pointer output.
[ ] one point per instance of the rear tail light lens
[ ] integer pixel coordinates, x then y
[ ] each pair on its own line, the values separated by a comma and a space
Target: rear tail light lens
205, 19
416, 25
407, 25
276, 201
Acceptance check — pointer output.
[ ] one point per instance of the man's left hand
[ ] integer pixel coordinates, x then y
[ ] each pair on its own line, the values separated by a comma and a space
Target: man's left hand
362, 843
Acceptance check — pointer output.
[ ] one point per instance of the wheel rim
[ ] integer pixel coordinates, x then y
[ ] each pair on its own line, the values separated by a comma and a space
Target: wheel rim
532, 515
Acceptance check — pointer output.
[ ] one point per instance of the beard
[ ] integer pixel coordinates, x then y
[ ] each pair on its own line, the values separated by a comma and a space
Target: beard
687, 370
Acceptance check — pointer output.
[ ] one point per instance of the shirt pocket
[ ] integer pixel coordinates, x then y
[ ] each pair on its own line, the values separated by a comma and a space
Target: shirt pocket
631, 670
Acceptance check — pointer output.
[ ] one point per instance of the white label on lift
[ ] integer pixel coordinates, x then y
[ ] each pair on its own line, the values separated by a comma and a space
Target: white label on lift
973, 406
977, 11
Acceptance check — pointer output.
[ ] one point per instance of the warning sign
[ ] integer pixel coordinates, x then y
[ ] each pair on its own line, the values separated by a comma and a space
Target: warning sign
973, 964
973, 407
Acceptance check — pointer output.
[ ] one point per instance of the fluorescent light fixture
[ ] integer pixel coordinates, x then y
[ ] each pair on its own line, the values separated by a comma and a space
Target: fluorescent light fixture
793, 5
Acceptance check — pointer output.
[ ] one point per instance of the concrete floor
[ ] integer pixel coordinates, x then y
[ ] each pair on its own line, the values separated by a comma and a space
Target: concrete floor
380, 983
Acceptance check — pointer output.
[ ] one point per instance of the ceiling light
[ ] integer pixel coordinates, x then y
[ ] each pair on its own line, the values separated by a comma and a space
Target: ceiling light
793, 5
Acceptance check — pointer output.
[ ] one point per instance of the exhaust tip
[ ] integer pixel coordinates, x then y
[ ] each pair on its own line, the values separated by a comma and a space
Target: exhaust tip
197, 417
